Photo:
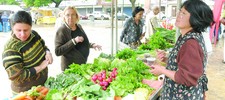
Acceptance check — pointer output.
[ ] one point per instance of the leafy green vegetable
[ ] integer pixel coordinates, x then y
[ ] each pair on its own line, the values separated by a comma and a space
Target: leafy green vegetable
161, 39
125, 54
62, 81
84, 70
88, 90
130, 77
54, 94
101, 64
107, 56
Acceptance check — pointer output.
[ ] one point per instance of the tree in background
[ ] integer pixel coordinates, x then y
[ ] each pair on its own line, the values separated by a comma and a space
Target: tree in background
36, 3
39, 3
133, 4
57, 2
8, 2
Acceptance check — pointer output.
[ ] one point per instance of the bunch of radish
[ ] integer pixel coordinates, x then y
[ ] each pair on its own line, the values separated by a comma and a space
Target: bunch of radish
104, 79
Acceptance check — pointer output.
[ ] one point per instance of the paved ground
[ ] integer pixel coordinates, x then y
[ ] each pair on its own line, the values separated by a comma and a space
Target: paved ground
101, 34
216, 73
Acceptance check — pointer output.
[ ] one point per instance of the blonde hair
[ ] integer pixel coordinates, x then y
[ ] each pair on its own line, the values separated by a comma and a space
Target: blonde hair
75, 10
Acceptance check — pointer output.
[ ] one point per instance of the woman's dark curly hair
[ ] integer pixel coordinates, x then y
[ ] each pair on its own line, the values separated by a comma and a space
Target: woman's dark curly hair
137, 10
201, 16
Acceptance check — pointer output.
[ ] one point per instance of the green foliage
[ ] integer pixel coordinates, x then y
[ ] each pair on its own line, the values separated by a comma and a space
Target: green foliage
88, 90
36, 3
126, 54
168, 35
101, 64
8, 2
107, 56
62, 81
161, 39
84, 70
130, 77
130, 73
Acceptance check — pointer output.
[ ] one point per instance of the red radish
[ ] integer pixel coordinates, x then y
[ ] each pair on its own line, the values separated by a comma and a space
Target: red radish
100, 78
109, 80
103, 72
99, 74
104, 88
94, 77
105, 83
113, 75
103, 76
101, 83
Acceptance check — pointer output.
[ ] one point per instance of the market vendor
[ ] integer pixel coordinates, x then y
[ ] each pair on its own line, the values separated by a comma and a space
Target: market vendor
185, 71
25, 56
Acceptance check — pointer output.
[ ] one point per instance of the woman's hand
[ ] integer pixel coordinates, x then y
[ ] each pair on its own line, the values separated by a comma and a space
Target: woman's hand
48, 57
96, 47
79, 39
157, 69
42, 66
161, 55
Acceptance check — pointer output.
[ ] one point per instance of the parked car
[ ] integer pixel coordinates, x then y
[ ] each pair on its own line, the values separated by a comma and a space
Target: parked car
83, 17
98, 15
122, 16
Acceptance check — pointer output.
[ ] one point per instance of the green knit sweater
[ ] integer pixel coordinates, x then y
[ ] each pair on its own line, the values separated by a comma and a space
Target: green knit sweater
19, 60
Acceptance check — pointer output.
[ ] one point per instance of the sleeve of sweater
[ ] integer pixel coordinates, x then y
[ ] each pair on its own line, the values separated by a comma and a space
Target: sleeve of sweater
190, 66
62, 43
42, 41
13, 64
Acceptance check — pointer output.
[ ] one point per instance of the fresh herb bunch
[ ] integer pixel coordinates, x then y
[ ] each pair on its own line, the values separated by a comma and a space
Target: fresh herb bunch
162, 39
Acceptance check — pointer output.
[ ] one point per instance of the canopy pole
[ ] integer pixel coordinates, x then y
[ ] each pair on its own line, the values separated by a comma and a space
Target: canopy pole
112, 25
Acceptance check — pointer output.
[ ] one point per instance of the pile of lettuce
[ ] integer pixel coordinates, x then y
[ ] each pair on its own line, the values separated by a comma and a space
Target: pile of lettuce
76, 81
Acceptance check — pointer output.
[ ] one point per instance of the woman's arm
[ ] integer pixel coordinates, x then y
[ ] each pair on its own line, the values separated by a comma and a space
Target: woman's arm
13, 63
190, 67
62, 43
190, 63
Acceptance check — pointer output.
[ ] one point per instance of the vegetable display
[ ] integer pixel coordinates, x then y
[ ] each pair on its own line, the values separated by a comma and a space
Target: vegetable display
108, 78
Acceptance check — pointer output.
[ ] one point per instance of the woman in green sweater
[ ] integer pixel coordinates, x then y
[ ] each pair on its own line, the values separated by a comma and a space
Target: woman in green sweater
25, 56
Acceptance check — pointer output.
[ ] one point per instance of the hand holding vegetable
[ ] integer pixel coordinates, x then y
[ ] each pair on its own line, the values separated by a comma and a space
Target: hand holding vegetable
157, 69
161, 55
153, 83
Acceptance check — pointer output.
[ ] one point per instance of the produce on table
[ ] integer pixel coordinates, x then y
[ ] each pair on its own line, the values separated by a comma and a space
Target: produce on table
107, 78
35, 93
162, 39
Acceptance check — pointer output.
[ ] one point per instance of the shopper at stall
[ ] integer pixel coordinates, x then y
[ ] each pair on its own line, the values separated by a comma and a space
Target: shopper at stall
25, 56
5, 21
185, 71
133, 29
152, 22
71, 42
